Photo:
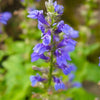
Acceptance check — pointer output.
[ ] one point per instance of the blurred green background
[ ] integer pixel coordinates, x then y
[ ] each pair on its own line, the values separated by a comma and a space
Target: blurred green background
20, 35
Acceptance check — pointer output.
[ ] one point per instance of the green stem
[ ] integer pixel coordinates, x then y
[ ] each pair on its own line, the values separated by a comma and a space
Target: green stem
51, 61
52, 53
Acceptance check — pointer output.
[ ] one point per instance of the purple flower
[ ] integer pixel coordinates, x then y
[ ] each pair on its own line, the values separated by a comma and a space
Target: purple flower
35, 79
99, 62
41, 27
35, 14
38, 14
69, 31
66, 68
58, 84
47, 38
67, 41
59, 27
62, 56
58, 8
36, 56
4, 17
39, 50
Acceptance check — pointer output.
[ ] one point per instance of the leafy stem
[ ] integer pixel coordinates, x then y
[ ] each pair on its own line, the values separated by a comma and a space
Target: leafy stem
51, 60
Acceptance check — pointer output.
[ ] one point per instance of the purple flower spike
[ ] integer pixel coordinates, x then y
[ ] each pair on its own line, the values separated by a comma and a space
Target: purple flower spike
58, 84
69, 31
36, 14
77, 85
4, 17
35, 79
58, 8
56, 46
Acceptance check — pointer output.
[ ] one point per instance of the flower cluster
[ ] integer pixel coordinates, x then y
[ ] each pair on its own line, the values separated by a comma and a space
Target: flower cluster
4, 17
57, 43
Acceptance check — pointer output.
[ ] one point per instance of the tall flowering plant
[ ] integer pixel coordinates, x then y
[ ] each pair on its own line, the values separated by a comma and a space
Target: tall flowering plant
57, 42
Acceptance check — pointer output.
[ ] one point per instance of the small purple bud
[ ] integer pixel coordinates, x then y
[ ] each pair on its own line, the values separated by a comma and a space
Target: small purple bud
35, 79
41, 27
58, 84
47, 38
58, 8
59, 27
